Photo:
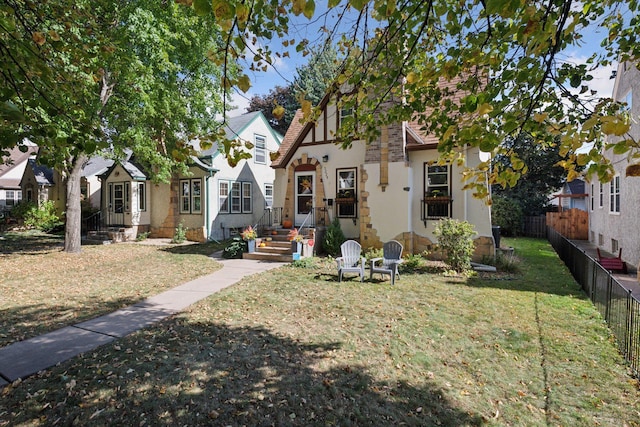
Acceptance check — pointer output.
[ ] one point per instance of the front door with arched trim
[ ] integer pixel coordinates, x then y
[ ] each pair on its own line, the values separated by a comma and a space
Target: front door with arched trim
304, 195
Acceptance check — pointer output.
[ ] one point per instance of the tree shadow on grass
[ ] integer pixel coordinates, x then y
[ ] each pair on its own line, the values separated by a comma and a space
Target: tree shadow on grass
184, 373
207, 248
30, 242
23, 322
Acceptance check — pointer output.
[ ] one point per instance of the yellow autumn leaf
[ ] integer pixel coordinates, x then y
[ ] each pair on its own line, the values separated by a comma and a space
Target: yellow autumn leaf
615, 127
242, 13
484, 108
412, 77
298, 6
306, 108
540, 117
39, 38
244, 84
278, 112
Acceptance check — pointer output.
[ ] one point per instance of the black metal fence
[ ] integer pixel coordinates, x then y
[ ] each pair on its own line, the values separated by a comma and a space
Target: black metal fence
617, 305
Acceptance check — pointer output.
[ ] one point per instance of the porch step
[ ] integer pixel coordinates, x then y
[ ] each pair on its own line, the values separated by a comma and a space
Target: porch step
276, 249
265, 256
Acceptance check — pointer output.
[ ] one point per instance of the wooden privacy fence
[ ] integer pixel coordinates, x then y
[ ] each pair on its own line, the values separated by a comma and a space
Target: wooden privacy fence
572, 224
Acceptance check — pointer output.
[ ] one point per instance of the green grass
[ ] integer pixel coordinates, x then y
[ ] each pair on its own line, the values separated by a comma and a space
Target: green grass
44, 288
295, 347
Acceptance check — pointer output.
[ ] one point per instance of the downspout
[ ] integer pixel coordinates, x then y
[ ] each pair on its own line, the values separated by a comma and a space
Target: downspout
465, 193
207, 200
409, 187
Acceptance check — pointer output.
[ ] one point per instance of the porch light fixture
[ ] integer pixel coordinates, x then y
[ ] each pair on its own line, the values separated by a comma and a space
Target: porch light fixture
325, 158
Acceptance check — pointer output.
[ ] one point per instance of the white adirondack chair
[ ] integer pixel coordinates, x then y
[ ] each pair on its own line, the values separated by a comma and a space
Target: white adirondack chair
351, 260
391, 259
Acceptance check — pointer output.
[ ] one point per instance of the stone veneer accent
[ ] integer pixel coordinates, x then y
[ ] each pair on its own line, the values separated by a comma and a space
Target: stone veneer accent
319, 194
368, 235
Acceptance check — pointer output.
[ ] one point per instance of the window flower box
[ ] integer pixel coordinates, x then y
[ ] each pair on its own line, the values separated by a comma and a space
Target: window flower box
345, 200
437, 200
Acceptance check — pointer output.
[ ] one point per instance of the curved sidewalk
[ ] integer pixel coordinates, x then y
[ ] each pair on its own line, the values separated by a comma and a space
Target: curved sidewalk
24, 358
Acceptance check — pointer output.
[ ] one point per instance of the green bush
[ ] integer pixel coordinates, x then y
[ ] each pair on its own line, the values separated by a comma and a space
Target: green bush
234, 249
507, 214
412, 263
180, 235
455, 238
42, 218
334, 237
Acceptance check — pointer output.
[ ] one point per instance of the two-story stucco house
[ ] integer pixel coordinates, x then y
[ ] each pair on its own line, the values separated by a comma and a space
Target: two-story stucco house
613, 206
391, 188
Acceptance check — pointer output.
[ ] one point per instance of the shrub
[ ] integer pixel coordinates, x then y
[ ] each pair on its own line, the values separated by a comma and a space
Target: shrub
455, 238
507, 214
412, 263
180, 235
142, 236
234, 249
43, 218
333, 238
372, 253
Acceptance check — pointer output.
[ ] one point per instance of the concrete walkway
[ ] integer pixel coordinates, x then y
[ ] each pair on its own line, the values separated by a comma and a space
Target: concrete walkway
629, 281
24, 358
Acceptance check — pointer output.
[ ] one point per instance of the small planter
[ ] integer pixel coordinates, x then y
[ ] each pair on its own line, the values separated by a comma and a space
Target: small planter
296, 247
251, 246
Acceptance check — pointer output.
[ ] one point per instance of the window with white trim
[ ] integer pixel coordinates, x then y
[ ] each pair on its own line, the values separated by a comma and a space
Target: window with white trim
191, 196
600, 195
223, 196
236, 206
614, 195
437, 194
246, 197
268, 195
260, 150
142, 197
9, 198
127, 197
592, 196
346, 193
628, 99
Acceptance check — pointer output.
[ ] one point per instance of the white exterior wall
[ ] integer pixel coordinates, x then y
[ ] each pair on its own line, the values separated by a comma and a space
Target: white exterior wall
133, 216
605, 227
245, 171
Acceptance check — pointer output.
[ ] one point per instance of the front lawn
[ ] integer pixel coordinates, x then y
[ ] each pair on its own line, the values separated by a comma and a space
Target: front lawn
44, 288
293, 347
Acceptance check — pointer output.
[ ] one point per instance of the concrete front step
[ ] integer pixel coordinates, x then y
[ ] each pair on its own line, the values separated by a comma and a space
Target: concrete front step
267, 256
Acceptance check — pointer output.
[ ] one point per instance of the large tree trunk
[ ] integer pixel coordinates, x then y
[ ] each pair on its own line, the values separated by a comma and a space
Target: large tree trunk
73, 227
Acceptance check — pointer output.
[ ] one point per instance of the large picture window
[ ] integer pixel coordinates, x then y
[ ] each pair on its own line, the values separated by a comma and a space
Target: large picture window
437, 194
346, 193
191, 196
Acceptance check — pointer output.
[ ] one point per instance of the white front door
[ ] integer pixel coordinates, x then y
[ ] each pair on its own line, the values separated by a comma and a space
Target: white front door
304, 182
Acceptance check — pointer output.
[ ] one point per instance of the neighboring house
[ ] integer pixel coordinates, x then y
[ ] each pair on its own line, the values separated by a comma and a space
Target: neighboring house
573, 195
211, 201
40, 183
614, 221
11, 170
392, 188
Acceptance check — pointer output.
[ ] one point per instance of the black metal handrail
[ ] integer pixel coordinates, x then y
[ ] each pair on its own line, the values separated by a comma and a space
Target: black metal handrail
93, 222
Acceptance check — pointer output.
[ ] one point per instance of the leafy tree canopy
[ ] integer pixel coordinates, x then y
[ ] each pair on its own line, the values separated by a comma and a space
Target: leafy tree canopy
78, 77
504, 60
540, 176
